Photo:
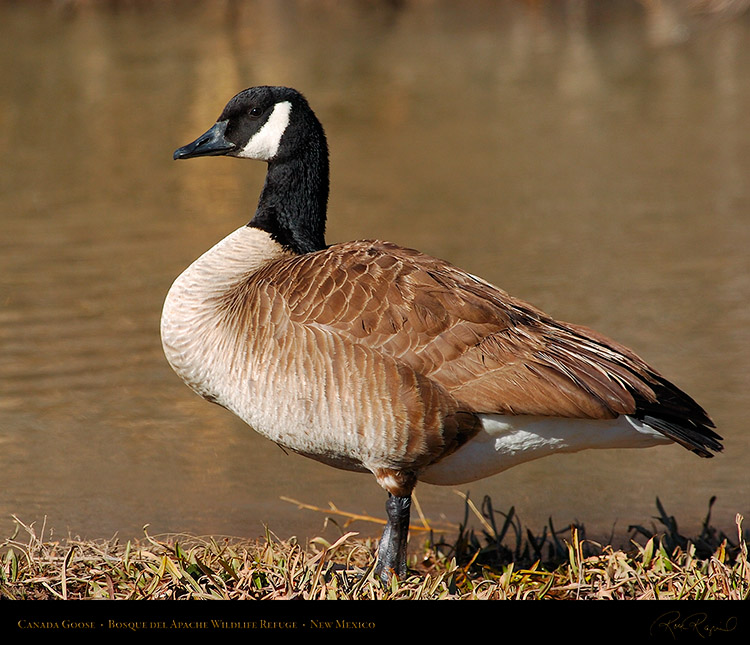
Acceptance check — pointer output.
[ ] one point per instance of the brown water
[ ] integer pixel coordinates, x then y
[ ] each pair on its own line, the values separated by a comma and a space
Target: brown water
593, 162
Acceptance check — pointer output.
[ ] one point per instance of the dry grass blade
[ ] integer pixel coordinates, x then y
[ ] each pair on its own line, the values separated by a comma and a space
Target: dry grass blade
355, 517
667, 565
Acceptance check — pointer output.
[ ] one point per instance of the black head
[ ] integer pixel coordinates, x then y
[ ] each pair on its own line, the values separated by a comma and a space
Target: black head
276, 125
258, 123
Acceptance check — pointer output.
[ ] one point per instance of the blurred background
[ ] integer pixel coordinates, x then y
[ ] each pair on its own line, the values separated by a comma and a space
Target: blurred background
591, 157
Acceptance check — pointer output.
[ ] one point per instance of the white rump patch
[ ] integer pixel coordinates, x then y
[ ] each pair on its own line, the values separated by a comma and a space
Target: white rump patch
264, 144
506, 441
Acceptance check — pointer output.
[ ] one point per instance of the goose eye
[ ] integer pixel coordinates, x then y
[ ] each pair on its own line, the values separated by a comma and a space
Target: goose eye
256, 112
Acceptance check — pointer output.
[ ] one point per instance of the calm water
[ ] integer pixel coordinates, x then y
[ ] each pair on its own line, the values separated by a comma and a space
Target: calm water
594, 162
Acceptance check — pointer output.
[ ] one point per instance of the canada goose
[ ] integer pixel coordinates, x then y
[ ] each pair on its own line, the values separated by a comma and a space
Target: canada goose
375, 358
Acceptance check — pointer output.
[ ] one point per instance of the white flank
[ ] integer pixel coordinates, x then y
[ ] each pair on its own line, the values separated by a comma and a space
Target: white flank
264, 144
506, 441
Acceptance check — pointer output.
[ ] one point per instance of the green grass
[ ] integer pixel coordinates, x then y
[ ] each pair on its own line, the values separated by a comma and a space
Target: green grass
502, 560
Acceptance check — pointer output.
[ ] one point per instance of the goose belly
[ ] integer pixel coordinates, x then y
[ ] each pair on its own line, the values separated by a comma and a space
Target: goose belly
298, 416
507, 441
320, 408
294, 425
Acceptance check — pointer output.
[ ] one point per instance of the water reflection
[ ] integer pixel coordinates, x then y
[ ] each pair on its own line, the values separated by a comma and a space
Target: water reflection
589, 157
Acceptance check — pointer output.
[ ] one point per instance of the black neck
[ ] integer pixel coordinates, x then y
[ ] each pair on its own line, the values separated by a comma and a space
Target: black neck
292, 205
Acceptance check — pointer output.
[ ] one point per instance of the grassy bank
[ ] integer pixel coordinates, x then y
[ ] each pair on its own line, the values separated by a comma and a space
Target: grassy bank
501, 560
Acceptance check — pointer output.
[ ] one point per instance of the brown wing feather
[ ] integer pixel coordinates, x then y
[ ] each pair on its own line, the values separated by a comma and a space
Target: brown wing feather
491, 352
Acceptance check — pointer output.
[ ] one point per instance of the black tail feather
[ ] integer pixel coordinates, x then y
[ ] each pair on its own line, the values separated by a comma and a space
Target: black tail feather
678, 417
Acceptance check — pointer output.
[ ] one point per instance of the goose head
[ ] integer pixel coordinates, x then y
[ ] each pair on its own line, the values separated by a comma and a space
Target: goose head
276, 125
263, 123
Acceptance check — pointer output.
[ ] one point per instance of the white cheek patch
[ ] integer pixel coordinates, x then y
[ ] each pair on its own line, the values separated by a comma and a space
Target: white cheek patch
264, 144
